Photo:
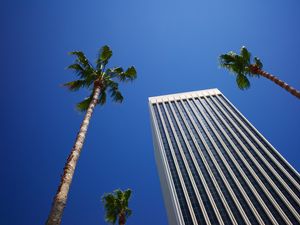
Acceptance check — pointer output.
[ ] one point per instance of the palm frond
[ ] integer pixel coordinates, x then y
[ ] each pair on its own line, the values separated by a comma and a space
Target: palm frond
109, 201
227, 58
128, 213
77, 68
246, 55
75, 85
117, 96
233, 62
104, 55
127, 195
242, 81
258, 62
229, 61
130, 74
111, 218
83, 73
114, 70
119, 194
81, 59
91, 79
102, 97
83, 68
115, 93
84, 105
111, 215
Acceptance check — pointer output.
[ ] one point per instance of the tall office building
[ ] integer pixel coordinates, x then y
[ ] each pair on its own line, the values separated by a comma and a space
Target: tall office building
215, 167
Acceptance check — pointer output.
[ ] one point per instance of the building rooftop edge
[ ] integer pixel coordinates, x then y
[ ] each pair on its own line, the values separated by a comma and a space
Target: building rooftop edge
212, 91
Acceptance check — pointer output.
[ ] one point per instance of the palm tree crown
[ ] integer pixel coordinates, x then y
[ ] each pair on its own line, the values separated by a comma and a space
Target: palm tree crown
99, 76
241, 66
116, 206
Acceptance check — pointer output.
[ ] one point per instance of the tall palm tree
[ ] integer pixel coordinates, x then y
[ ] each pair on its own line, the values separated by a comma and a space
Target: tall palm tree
99, 81
116, 206
242, 67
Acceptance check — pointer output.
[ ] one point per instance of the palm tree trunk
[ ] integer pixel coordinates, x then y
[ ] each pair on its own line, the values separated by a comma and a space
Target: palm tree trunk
122, 218
271, 77
60, 199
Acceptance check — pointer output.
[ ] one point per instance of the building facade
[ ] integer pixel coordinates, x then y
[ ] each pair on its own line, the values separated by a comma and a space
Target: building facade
215, 167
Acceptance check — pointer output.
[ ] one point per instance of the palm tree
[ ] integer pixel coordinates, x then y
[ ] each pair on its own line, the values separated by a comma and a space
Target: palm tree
242, 67
116, 206
99, 81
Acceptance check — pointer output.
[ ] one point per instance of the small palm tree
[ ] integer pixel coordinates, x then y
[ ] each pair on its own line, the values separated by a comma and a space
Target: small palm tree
116, 206
99, 81
242, 67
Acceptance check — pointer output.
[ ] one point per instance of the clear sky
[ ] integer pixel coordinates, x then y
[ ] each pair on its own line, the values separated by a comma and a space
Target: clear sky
174, 46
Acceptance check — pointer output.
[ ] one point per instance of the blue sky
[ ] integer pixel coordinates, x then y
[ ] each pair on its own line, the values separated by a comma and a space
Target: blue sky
174, 46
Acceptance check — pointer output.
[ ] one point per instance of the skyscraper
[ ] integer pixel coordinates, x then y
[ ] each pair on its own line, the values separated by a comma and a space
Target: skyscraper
215, 167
